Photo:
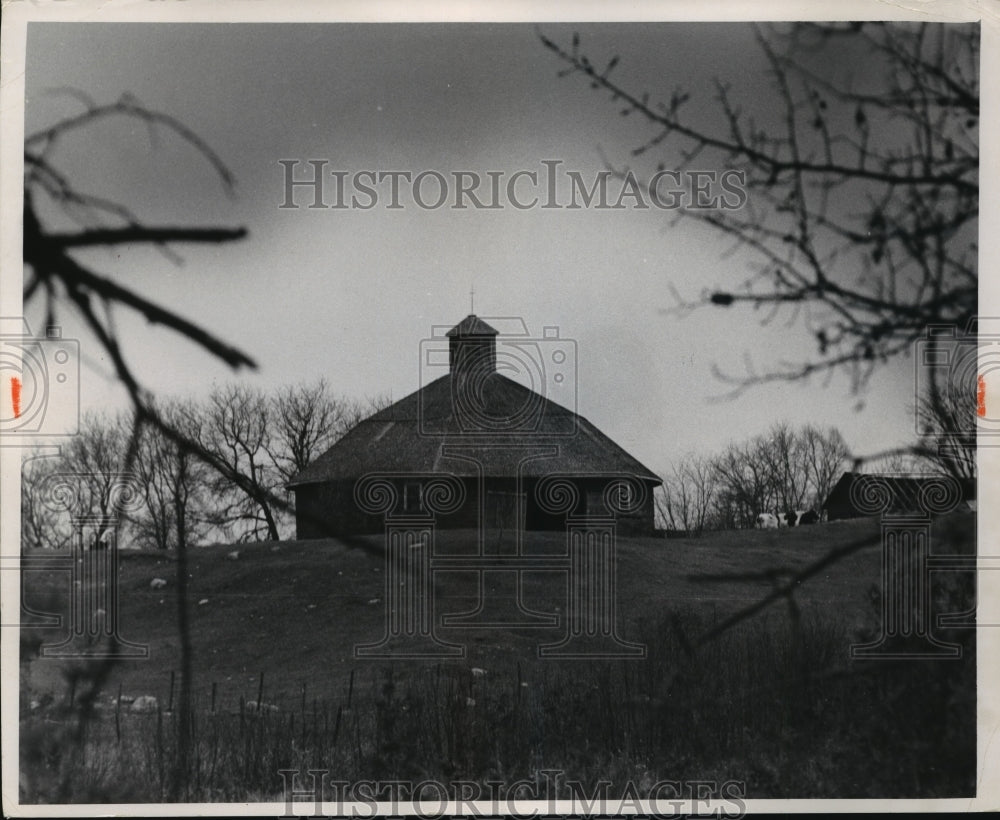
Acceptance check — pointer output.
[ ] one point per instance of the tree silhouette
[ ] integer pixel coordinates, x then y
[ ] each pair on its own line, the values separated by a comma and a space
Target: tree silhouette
862, 194
54, 275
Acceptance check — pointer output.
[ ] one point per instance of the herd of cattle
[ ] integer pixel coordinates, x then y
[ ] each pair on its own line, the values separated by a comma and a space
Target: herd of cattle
794, 518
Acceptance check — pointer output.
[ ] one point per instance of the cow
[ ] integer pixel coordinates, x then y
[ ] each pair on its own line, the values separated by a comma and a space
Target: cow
767, 521
796, 518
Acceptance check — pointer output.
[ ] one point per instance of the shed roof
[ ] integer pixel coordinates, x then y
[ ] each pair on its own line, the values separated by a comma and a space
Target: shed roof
905, 489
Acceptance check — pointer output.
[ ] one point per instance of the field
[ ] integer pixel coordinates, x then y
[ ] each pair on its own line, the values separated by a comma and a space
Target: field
774, 703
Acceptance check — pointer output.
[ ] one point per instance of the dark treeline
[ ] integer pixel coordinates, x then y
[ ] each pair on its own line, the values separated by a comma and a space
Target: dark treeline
788, 469
260, 438
783, 469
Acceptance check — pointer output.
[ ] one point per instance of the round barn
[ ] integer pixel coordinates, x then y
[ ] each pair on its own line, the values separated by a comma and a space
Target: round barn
495, 435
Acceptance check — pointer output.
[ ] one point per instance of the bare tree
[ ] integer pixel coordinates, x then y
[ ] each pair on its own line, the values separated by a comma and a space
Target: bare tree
862, 194
241, 443
42, 527
62, 282
155, 523
825, 456
686, 498
670, 502
781, 454
96, 457
947, 419
236, 431
745, 482
726, 512
361, 409
778, 471
700, 472
804, 464
172, 479
306, 420
57, 277
891, 463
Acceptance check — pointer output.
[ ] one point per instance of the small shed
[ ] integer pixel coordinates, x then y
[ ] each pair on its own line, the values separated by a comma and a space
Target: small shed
905, 492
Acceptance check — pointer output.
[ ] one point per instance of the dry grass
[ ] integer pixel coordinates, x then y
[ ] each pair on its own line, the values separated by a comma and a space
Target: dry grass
775, 702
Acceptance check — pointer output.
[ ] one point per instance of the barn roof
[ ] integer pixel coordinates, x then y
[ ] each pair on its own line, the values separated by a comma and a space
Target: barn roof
422, 433
905, 489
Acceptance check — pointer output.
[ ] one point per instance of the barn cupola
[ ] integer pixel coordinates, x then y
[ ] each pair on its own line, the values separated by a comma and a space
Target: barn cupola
472, 348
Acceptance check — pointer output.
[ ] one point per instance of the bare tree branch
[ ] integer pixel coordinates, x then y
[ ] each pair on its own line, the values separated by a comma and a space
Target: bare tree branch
862, 200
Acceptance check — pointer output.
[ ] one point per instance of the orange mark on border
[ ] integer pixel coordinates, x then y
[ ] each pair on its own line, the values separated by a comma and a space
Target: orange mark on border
980, 397
15, 395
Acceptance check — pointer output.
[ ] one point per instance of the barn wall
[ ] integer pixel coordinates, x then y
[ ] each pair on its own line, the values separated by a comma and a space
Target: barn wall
329, 510
838, 511
640, 524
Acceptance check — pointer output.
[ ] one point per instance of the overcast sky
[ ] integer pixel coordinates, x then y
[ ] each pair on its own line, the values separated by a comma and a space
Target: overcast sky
348, 294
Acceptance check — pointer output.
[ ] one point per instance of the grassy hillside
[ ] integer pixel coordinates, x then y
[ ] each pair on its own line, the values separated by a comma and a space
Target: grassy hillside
294, 610
287, 616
